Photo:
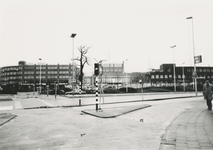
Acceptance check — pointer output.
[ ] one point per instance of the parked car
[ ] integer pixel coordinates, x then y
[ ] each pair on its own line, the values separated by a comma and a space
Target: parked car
76, 91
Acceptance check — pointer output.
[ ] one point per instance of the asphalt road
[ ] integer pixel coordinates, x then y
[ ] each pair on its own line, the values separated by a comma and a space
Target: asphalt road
68, 128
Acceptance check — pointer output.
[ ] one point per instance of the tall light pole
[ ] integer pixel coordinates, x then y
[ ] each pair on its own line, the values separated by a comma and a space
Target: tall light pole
195, 73
183, 78
174, 68
73, 36
126, 79
40, 77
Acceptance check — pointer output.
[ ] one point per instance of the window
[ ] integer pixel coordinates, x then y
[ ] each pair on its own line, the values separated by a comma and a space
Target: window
153, 76
169, 70
204, 70
208, 70
189, 70
63, 72
29, 67
166, 76
170, 76
52, 67
179, 76
157, 76
52, 72
64, 67
28, 72
161, 76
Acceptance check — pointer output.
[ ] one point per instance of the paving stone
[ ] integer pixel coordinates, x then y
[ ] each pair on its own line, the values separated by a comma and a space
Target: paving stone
191, 132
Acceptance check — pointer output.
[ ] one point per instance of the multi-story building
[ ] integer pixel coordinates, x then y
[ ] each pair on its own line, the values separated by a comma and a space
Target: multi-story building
110, 74
28, 77
114, 74
183, 74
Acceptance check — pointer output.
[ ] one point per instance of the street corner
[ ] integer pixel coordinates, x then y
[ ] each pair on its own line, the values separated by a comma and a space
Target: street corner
114, 111
6, 117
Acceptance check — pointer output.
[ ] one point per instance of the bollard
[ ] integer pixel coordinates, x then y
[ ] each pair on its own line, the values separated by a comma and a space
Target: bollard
80, 94
96, 93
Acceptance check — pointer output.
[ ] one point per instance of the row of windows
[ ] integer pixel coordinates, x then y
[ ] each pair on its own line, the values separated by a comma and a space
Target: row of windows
177, 76
115, 69
200, 70
32, 72
10, 68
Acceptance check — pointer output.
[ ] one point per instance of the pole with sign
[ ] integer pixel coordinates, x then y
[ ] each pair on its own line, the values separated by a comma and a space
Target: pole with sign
47, 90
141, 82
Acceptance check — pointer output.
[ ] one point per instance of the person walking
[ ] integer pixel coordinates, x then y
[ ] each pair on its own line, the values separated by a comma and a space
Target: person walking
207, 93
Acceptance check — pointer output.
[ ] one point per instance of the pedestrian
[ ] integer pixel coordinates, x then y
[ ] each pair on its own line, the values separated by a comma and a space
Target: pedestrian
207, 93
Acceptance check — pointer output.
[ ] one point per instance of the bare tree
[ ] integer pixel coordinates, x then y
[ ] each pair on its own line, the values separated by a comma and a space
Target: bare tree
83, 60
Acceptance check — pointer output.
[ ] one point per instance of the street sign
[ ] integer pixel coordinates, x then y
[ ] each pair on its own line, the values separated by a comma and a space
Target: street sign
198, 59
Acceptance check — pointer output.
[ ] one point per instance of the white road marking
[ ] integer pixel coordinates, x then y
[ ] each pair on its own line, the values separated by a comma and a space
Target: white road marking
18, 105
6, 107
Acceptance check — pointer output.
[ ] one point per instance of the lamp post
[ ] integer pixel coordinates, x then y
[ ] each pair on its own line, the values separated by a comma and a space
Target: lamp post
40, 77
126, 80
183, 78
174, 68
195, 74
73, 36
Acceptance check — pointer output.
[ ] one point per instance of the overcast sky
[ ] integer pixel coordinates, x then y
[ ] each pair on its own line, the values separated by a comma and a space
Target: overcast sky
141, 31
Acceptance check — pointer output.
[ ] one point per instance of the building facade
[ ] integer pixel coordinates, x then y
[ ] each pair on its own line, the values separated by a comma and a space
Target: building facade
183, 74
114, 74
110, 74
28, 77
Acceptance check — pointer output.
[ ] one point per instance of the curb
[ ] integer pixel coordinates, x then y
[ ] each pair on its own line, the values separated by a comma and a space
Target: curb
117, 111
6, 118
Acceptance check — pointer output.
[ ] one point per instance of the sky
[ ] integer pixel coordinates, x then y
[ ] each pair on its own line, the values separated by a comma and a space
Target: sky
139, 33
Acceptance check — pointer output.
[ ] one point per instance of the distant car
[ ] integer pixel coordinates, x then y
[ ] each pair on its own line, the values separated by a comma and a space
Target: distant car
76, 91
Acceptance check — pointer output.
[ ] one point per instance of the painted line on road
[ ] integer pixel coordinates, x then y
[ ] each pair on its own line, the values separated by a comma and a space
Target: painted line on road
18, 105
6, 107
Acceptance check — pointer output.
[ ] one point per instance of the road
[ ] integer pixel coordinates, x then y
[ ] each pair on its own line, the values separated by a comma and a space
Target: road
25, 101
68, 128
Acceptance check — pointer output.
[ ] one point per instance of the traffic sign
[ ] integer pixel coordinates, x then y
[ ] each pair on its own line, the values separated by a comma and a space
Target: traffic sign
198, 59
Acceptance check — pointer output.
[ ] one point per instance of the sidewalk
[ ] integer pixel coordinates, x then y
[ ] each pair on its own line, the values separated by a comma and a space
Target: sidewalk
191, 130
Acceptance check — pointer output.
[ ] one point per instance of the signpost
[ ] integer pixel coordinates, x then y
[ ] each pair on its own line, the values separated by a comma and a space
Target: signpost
47, 90
141, 81
55, 89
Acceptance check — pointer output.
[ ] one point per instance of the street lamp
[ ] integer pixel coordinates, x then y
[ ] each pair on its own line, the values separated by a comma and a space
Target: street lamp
73, 36
126, 80
183, 78
195, 78
40, 77
174, 68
